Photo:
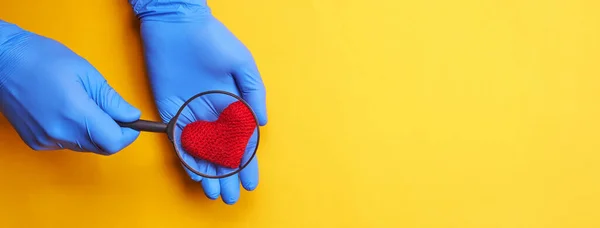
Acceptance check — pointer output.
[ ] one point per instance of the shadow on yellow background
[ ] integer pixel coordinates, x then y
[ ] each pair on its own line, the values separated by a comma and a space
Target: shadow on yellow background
386, 113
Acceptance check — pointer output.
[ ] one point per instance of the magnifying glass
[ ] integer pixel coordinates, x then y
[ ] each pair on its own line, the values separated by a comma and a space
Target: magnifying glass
235, 119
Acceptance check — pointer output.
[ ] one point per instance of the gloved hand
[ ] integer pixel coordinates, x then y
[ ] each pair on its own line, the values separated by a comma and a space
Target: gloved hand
56, 100
188, 51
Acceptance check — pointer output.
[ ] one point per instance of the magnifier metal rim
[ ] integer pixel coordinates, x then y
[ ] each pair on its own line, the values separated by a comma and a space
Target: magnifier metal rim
171, 133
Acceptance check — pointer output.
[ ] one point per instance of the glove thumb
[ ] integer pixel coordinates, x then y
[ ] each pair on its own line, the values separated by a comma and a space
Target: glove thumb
115, 107
111, 102
250, 84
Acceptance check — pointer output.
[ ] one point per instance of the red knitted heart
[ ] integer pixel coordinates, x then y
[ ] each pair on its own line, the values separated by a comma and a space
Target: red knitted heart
223, 141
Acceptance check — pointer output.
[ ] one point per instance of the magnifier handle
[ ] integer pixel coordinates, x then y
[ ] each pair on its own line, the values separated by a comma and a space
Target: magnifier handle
145, 125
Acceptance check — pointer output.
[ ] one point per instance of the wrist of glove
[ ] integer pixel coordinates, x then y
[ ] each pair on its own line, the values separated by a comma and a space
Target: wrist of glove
12, 38
170, 10
7, 32
55, 99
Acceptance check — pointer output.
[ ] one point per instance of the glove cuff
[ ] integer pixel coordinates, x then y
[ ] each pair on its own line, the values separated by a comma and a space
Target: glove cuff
170, 10
12, 38
8, 31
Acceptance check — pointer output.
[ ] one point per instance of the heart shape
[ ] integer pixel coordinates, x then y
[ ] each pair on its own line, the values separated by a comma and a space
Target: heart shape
222, 142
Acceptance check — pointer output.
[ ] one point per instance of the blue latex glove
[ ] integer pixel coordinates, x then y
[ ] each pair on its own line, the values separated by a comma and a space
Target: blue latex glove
56, 100
188, 51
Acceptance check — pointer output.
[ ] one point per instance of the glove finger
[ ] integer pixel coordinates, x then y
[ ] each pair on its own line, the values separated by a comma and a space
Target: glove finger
230, 186
210, 185
83, 146
128, 135
253, 91
192, 175
109, 100
249, 175
191, 161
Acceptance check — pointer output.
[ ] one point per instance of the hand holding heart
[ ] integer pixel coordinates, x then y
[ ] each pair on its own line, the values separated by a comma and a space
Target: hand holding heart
184, 59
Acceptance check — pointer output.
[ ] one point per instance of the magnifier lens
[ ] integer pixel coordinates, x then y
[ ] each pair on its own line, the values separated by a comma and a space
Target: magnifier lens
215, 134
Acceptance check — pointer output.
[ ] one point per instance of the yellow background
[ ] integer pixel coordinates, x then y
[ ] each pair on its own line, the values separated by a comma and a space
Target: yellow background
384, 113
